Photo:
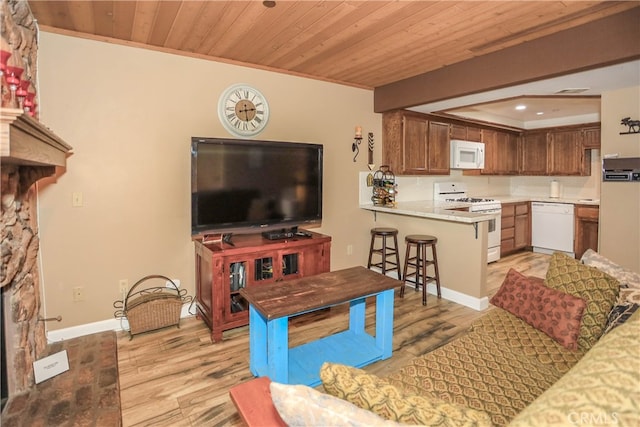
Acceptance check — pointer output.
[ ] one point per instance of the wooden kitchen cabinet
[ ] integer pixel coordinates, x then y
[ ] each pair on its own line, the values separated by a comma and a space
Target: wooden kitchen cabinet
591, 138
418, 144
507, 153
533, 154
500, 154
490, 139
465, 133
414, 145
515, 227
222, 270
566, 155
557, 152
586, 229
438, 149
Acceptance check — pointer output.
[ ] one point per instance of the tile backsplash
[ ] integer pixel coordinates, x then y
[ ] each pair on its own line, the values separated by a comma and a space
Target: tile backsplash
421, 187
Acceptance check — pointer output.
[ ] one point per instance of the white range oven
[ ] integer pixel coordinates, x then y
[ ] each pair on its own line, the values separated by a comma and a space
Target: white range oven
456, 192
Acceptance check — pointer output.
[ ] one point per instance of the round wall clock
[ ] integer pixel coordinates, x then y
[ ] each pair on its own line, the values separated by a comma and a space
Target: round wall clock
243, 110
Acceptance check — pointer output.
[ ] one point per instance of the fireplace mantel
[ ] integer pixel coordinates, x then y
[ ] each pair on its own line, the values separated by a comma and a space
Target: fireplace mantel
27, 142
29, 151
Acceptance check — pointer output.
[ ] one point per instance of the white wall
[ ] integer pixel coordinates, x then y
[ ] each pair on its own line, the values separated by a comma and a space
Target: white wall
620, 201
129, 114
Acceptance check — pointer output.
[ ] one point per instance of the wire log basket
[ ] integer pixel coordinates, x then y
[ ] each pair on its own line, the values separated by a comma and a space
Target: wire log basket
148, 308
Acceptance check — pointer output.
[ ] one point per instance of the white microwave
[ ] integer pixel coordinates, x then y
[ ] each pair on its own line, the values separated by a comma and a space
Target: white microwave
467, 154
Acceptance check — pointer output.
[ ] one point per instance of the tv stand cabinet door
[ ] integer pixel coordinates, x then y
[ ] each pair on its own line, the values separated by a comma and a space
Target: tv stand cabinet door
315, 259
208, 275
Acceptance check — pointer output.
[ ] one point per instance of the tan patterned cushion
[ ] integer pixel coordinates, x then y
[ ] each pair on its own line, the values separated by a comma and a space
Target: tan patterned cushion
508, 330
553, 312
598, 289
481, 373
627, 278
602, 389
375, 394
629, 295
299, 405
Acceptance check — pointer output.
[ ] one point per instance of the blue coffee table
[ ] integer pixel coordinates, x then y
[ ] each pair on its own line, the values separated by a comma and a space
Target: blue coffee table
272, 305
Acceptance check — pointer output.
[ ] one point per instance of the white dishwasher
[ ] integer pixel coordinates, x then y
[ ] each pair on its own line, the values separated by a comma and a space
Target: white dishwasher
552, 227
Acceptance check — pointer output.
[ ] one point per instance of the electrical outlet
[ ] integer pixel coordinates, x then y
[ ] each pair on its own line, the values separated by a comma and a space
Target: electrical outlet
76, 199
169, 285
78, 293
123, 286
349, 249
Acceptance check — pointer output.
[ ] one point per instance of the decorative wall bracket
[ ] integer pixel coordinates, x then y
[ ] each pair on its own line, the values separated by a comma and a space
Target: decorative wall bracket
355, 146
633, 126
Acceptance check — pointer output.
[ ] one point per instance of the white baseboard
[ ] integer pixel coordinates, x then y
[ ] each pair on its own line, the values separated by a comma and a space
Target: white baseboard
101, 326
478, 304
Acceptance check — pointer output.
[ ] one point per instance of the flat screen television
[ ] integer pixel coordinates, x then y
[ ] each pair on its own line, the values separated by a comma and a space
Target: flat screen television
248, 185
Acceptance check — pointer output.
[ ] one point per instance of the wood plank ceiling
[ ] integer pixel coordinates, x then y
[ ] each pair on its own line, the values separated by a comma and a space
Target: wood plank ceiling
364, 44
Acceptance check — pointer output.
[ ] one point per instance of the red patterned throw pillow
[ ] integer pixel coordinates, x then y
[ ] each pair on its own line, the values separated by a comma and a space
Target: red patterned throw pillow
553, 312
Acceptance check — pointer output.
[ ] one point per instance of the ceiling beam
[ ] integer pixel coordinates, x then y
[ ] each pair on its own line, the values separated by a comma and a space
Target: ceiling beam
608, 41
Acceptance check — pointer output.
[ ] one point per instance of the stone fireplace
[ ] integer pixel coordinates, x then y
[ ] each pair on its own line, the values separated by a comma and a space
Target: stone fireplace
29, 151
24, 335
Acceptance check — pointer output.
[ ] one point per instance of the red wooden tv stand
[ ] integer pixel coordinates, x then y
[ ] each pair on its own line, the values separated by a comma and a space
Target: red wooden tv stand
222, 270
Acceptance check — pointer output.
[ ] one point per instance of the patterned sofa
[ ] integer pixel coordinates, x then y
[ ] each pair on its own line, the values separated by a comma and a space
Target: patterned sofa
560, 351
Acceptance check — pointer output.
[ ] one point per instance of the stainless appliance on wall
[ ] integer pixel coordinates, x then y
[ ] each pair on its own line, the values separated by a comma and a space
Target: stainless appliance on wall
621, 169
457, 192
466, 154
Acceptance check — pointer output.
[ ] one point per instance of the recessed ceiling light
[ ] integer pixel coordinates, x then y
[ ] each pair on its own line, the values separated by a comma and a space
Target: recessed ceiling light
521, 107
539, 113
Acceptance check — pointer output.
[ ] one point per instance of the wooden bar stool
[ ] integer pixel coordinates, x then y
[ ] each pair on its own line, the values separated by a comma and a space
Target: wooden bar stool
420, 263
385, 250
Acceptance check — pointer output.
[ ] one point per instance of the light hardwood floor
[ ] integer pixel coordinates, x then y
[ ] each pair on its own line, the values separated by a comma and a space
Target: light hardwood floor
177, 377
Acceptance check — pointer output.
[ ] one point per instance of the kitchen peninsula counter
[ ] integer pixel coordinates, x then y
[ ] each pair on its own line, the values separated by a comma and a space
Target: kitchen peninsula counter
462, 244
444, 211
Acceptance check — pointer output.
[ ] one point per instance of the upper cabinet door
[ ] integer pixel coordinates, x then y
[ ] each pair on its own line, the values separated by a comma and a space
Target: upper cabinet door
414, 146
533, 154
465, 133
507, 153
438, 149
490, 140
565, 152
591, 138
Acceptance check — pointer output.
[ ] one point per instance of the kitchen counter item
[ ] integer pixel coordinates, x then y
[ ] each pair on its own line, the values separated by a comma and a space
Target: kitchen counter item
552, 227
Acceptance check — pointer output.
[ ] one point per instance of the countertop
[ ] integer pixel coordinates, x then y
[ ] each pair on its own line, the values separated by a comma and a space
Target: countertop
445, 210
517, 199
433, 210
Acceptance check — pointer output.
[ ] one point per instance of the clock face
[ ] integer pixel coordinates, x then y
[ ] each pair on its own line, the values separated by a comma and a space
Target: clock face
243, 110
